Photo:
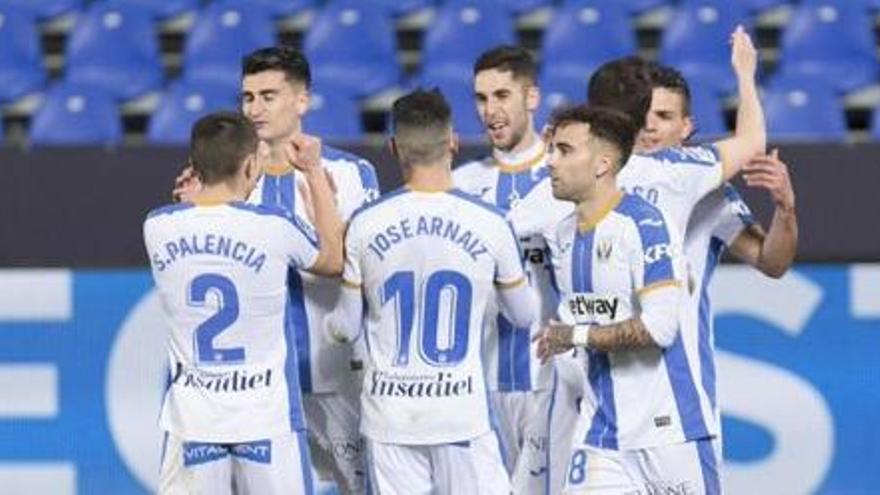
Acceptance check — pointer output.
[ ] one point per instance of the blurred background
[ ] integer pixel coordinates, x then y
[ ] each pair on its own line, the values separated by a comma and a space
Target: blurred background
97, 98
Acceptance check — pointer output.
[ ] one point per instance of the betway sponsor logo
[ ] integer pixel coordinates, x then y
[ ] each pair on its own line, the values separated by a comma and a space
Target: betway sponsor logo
587, 307
440, 384
229, 381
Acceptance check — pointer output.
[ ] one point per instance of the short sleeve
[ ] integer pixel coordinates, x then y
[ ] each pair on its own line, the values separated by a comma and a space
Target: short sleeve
654, 253
300, 241
698, 169
508, 259
732, 217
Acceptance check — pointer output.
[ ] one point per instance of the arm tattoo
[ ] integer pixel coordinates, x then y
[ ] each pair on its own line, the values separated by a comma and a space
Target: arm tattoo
629, 334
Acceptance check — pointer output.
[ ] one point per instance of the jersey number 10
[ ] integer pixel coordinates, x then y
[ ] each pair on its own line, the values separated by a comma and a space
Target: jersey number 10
400, 289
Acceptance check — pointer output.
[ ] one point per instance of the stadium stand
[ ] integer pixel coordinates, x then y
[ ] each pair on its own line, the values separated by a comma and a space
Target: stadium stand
46, 9
115, 48
160, 9
76, 115
582, 35
803, 110
832, 41
21, 69
434, 42
334, 114
223, 32
351, 46
706, 112
696, 41
181, 105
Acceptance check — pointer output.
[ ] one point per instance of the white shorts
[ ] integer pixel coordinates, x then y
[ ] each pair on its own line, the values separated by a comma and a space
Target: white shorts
472, 467
569, 382
522, 427
277, 465
336, 445
689, 468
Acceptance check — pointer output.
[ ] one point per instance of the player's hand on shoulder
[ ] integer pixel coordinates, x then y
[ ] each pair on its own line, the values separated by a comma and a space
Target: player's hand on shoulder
771, 173
304, 153
743, 56
186, 184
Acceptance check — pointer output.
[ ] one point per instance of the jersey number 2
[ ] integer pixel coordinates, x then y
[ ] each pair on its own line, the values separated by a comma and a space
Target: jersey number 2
203, 339
400, 288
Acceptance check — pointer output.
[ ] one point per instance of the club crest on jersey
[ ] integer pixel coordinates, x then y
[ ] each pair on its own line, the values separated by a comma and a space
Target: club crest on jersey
603, 249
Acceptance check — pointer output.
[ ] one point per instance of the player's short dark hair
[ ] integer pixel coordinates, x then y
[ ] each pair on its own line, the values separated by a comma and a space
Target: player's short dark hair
671, 79
421, 122
624, 84
606, 123
508, 58
219, 144
287, 59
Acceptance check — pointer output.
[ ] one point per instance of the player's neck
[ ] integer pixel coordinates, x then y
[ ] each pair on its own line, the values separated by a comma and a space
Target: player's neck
429, 178
529, 147
592, 209
276, 157
218, 194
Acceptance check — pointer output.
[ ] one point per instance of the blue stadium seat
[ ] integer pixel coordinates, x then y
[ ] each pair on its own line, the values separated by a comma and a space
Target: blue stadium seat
830, 41
278, 8
875, 124
550, 101
803, 110
353, 48
707, 112
640, 6
696, 41
762, 5
460, 95
160, 9
74, 115
462, 30
402, 7
581, 36
115, 48
333, 114
45, 9
223, 33
21, 62
181, 105
520, 6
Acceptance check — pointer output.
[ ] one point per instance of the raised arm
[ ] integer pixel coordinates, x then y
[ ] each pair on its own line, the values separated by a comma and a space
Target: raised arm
771, 252
304, 153
750, 137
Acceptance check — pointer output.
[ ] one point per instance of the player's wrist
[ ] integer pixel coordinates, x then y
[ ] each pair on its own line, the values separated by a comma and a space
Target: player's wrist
580, 335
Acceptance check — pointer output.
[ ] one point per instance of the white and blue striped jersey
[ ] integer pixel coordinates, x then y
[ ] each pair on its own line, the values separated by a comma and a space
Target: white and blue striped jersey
511, 360
717, 221
221, 274
427, 263
634, 399
324, 367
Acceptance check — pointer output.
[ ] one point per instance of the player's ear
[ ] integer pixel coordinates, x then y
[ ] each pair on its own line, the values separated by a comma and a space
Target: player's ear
453, 142
533, 97
687, 129
392, 148
302, 100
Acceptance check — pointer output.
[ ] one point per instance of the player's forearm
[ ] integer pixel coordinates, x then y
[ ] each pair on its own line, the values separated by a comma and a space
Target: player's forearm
751, 133
327, 221
780, 243
627, 335
519, 305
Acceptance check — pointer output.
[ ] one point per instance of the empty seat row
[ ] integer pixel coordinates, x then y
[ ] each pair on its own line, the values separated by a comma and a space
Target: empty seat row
75, 114
352, 46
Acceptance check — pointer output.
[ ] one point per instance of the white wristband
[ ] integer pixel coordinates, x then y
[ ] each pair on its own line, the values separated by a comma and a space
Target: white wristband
580, 335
